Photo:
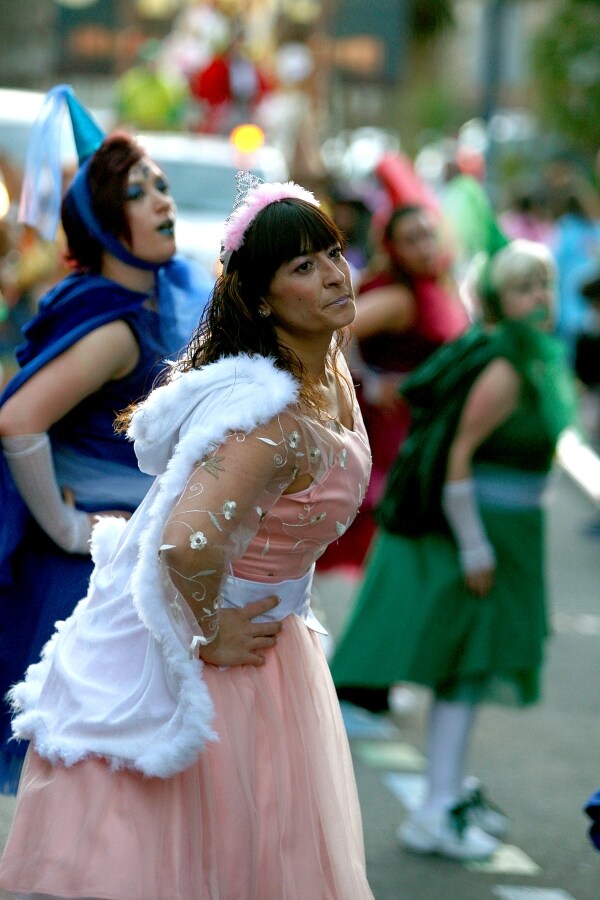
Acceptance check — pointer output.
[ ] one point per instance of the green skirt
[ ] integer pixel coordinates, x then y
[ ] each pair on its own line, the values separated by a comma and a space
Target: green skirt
415, 621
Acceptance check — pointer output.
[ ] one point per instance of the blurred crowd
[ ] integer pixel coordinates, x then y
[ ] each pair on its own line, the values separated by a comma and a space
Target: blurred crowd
558, 207
214, 71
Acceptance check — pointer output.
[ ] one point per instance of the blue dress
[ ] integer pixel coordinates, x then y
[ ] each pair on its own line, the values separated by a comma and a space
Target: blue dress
40, 583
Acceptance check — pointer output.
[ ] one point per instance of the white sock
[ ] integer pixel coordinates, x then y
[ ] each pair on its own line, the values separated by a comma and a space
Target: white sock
450, 726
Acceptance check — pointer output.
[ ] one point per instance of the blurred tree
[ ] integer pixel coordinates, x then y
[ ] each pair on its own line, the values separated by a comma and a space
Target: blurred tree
566, 64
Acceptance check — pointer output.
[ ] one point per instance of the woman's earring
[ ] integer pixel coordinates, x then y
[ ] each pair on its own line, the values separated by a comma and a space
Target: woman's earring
262, 311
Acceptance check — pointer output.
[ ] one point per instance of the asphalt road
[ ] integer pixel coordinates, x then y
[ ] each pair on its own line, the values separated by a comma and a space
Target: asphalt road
539, 765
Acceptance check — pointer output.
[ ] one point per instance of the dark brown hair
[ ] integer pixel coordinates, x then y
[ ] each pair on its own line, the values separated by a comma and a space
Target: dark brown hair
107, 180
232, 324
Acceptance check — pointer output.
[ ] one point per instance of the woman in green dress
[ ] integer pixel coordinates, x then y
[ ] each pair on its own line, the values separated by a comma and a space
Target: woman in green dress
453, 595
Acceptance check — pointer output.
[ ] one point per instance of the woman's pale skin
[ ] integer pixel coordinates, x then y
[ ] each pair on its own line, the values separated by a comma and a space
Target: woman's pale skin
112, 352
495, 395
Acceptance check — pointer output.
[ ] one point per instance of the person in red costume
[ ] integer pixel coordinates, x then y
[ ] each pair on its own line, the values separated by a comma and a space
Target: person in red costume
405, 311
229, 87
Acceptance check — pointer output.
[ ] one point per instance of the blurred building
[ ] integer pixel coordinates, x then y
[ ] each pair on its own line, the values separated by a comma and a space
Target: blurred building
403, 65
85, 41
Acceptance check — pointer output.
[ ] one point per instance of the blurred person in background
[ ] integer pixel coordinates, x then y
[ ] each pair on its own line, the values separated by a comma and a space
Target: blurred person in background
29, 264
7, 248
290, 113
351, 212
575, 207
151, 96
198, 28
230, 87
29, 268
587, 359
405, 311
527, 214
96, 344
453, 596
587, 369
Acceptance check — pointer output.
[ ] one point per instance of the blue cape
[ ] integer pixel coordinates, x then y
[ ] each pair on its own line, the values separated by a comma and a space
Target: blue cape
73, 308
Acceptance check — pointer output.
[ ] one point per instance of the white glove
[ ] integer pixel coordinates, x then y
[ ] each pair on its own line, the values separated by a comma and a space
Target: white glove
460, 508
29, 458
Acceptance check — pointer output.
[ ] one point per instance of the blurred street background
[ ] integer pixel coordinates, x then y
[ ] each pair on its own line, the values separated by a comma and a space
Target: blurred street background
327, 91
358, 100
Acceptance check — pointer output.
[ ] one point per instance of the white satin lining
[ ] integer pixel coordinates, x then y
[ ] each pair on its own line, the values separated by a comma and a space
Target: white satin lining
294, 598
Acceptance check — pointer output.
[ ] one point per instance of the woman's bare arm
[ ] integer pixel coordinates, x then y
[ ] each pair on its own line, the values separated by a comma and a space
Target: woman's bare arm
107, 353
490, 402
385, 309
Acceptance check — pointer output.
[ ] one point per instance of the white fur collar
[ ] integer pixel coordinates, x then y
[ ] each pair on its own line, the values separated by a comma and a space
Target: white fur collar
174, 428
155, 427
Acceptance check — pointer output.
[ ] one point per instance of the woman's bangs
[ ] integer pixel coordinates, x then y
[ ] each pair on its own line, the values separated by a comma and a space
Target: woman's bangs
316, 232
298, 228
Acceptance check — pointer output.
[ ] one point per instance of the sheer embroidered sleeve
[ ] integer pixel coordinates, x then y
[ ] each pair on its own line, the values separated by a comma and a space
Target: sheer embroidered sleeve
220, 510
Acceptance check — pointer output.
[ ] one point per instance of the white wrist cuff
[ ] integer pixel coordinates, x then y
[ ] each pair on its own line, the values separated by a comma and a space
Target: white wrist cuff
460, 508
29, 458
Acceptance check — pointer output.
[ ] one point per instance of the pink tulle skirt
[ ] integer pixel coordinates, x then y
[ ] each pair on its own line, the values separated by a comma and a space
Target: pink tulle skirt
269, 812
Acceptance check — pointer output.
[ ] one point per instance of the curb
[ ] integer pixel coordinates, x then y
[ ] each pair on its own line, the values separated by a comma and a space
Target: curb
581, 463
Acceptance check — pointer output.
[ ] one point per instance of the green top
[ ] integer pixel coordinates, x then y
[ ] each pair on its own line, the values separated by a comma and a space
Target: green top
437, 392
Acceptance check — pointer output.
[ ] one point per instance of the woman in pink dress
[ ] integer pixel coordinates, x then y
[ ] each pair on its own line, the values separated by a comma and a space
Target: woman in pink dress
160, 768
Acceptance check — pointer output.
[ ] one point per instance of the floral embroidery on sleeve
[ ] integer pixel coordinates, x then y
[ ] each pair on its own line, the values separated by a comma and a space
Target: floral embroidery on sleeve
230, 502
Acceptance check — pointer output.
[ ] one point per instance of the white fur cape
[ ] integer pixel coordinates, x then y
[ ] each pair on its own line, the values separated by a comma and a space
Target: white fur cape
117, 680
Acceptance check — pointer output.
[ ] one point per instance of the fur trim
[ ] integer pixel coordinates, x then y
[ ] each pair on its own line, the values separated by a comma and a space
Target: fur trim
157, 423
191, 413
106, 534
255, 201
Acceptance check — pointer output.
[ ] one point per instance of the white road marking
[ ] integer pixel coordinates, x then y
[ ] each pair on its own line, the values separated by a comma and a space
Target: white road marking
507, 892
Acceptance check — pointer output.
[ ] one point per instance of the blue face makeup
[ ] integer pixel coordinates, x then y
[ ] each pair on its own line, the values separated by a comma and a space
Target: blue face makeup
134, 192
150, 178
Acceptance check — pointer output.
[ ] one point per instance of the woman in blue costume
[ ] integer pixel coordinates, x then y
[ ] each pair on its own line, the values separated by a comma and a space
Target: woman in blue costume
96, 344
453, 597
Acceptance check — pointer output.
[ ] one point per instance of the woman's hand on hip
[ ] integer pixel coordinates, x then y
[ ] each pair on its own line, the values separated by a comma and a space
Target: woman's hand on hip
240, 640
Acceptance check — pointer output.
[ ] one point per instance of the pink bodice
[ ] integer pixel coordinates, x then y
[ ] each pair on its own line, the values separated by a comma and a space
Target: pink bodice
238, 516
298, 528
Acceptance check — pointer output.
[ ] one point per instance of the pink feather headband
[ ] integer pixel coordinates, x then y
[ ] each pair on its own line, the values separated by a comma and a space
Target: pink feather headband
255, 200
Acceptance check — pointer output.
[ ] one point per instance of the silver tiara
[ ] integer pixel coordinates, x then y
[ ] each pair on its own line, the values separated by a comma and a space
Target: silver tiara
245, 182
